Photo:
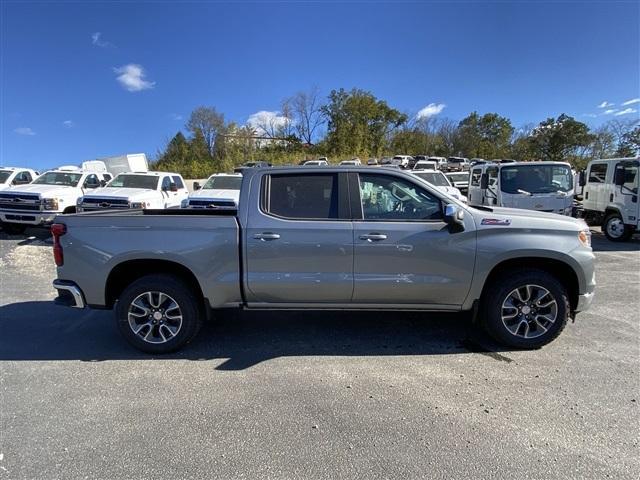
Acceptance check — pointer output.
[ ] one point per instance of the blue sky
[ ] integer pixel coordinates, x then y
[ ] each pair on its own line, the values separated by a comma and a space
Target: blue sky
69, 95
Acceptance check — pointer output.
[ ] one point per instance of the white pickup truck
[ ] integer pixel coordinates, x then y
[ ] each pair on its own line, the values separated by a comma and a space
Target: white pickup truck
221, 190
137, 190
12, 176
441, 182
52, 193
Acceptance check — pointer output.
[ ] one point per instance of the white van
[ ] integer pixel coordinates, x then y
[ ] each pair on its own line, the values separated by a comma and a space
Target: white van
541, 186
610, 196
156, 190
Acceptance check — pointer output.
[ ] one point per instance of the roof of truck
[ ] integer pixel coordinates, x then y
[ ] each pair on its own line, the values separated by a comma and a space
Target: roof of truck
153, 174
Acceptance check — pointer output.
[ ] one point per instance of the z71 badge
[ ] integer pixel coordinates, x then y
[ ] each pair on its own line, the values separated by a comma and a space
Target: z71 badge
495, 221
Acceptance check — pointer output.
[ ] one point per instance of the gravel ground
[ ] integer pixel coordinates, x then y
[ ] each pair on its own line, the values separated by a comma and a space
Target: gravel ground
315, 395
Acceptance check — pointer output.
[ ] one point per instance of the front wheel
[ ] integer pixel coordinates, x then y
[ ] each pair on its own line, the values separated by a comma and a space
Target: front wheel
525, 310
158, 314
615, 229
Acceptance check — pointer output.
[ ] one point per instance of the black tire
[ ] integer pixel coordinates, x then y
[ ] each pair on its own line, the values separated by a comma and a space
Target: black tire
189, 307
13, 228
498, 293
611, 228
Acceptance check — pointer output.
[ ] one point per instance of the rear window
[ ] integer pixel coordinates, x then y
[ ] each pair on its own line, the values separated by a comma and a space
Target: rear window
178, 181
307, 196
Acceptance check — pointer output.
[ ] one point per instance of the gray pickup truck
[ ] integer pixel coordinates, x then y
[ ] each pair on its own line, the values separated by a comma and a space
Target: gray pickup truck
326, 238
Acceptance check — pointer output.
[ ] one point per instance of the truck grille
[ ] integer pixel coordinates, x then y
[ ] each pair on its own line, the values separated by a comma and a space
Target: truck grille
93, 203
212, 204
19, 201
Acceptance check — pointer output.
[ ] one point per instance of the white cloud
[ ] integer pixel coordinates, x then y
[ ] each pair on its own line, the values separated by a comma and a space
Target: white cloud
24, 131
175, 116
132, 78
626, 111
68, 124
610, 111
590, 115
430, 110
267, 123
631, 102
98, 42
606, 104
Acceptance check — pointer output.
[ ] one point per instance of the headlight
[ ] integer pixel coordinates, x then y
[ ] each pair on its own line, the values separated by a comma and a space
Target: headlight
50, 203
79, 201
139, 204
585, 237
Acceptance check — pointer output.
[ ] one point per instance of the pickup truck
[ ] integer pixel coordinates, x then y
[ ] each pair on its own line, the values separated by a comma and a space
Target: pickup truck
137, 190
52, 193
331, 238
221, 190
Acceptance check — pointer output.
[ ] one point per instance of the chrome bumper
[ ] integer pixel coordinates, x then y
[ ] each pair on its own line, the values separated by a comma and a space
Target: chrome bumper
68, 294
584, 301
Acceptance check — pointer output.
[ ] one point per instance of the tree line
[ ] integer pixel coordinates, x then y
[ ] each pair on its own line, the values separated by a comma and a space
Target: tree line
357, 124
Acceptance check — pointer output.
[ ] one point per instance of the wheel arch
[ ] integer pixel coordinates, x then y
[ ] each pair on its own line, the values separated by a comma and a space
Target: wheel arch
127, 272
559, 269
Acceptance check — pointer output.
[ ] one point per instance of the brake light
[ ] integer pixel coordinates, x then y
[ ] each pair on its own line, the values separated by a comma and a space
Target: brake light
57, 230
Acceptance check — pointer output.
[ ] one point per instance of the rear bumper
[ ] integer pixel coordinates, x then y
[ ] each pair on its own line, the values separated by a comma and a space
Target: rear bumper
69, 294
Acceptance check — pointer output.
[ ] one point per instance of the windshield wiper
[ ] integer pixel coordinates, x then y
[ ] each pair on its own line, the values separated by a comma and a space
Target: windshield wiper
524, 192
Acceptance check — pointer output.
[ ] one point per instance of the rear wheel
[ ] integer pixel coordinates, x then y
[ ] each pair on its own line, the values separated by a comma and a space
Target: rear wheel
615, 229
158, 314
14, 228
525, 310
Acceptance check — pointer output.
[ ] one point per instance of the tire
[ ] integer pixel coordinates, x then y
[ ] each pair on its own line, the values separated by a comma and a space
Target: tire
614, 229
14, 228
527, 322
156, 295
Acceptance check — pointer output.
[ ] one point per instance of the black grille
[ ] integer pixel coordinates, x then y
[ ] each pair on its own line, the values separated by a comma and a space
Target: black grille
19, 201
212, 203
19, 206
114, 202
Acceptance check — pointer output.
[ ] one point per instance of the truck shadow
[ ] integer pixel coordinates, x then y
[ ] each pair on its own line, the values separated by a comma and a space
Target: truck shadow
33, 331
599, 243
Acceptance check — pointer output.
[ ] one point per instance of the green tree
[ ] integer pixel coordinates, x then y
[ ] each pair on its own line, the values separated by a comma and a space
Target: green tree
629, 145
358, 123
486, 136
560, 139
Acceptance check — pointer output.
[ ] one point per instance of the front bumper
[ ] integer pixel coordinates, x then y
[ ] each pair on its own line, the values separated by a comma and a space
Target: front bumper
69, 294
584, 301
28, 218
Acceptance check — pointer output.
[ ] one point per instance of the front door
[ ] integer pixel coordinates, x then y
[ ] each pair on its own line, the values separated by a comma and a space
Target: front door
299, 241
404, 252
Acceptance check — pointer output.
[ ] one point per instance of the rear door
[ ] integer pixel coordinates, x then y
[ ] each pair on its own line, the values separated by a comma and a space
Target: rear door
404, 252
299, 240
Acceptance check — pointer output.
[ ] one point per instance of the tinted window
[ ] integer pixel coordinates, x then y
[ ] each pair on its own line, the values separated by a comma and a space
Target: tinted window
178, 181
134, 181
390, 198
598, 173
166, 183
106, 176
91, 181
223, 183
59, 178
303, 196
4, 175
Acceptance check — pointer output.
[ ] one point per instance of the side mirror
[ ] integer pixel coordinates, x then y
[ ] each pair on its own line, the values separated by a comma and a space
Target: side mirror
484, 181
454, 217
196, 186
618, 178
173, 187
582, 178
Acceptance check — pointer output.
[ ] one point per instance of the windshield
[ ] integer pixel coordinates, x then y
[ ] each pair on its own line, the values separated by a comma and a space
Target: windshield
536, 179
459, 177
434, 178
4, 175
66, 179
134, 181
223, 183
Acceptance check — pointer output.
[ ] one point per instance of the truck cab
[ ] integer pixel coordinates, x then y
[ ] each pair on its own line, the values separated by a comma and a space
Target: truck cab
221, 190
12, 176
156, 190
610, 196
541, 186
52, 193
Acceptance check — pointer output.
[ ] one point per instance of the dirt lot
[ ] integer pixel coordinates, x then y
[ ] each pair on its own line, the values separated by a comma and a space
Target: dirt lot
325, 395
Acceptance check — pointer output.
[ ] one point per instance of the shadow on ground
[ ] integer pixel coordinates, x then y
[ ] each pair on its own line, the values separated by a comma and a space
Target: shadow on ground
599, 243
44, 331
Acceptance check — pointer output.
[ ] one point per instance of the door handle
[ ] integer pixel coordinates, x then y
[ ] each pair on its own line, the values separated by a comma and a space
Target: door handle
373, 237
266, 236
